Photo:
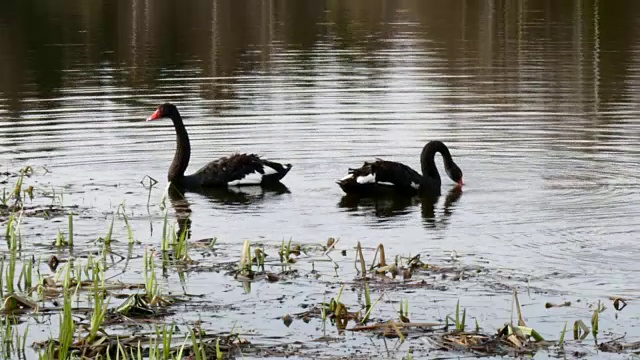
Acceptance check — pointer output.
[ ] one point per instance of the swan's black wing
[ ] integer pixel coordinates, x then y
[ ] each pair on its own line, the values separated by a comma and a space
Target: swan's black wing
240, 169
374, 176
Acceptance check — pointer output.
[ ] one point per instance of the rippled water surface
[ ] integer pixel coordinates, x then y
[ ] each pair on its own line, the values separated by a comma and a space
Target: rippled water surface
537, 101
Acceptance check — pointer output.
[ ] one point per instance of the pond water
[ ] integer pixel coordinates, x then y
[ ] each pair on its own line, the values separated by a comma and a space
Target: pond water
537, 101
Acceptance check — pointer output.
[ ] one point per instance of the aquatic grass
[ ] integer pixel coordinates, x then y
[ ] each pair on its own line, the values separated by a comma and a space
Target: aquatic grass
10, 225
460, 320
404, 310
367, 295
595, 319
150, 280
139, 354
6, 336
180, 245
409, 355
521, 328
99, 304
22, 345
360, 260
60, 241
166, 336
13, 234
562, 334
70, 235
219, 354
1, 277
512, 333
77, 277
510, 339
516, 304
245, 263
164, 242
285, 252
120, 350
339, 312
67, 326
107, 237
17, 189
13, 341
365, 318
121, 210
379, 254
26, 274
67, 280
90, 263
48, 352
394, 326
10, 303
337, 298
165, 195
259, 258
178, 355
363, 273
324, 307
198, 351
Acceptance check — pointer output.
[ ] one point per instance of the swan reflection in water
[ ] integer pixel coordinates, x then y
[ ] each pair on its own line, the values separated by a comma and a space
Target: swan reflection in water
226, 196
393, 205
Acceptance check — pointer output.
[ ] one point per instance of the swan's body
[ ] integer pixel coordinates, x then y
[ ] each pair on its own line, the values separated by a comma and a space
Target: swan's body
389, 177
235, 170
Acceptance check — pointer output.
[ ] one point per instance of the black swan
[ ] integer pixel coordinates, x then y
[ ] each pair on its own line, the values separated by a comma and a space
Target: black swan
388, 177
235, 170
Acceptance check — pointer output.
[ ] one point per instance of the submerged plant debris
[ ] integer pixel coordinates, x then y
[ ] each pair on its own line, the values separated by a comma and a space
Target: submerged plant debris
107, 295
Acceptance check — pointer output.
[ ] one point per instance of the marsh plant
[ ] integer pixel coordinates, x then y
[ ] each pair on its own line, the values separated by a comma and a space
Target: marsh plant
25, 279
10, 301
66, 328
180, 245
164, 243
99, 304
245, 265
460, 320
13, 341
150, 280
123, 213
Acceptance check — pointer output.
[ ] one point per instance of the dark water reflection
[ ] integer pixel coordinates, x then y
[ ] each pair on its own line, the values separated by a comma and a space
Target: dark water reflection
536, 99
391, 205
232, 196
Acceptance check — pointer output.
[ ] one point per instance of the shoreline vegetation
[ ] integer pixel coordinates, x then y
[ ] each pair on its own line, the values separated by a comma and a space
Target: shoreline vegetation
88, 307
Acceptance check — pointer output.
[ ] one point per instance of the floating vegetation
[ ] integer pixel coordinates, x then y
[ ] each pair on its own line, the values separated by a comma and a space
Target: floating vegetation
512, 339
102, 309
27, 201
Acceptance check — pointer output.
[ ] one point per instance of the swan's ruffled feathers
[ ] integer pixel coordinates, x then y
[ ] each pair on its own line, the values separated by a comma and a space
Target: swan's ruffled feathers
237, 167
384, 173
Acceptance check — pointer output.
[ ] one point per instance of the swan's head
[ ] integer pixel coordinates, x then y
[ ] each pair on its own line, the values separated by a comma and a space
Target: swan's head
454, 173
163, 111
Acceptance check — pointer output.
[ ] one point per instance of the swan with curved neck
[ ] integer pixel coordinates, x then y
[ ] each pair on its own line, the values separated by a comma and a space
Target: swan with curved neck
384, 177
235, 170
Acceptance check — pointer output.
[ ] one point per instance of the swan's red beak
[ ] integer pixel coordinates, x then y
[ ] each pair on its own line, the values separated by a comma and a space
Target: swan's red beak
460, 183
154, 116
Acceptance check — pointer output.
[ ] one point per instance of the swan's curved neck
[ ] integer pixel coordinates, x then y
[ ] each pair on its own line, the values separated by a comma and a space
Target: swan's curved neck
183, 150
427, 161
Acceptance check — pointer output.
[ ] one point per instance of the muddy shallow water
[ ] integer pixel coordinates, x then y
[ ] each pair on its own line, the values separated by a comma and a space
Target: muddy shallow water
537, 102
